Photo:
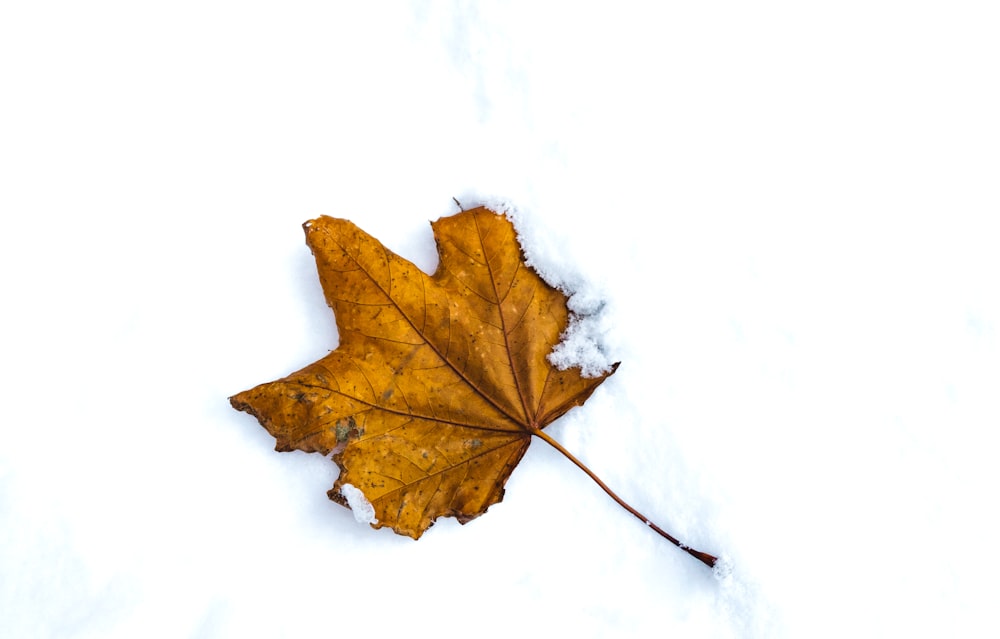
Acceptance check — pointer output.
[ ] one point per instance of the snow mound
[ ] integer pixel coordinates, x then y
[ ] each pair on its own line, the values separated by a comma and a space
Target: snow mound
581, 345
363, 511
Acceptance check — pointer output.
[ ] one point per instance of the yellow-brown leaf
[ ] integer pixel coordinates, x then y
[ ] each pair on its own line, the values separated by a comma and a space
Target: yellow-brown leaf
439, 382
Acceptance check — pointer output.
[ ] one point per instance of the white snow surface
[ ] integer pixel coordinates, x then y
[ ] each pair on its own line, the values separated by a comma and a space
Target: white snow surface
779, 217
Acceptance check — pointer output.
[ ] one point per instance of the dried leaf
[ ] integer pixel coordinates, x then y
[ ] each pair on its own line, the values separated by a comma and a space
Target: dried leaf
439, 381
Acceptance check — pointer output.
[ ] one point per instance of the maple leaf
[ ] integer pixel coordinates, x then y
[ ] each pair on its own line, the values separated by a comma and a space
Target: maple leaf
440, 381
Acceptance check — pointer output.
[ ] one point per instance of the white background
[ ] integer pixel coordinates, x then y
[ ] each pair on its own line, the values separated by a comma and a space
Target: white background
785, 212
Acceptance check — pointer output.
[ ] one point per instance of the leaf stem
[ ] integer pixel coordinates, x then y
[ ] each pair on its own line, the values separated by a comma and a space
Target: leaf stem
703, 557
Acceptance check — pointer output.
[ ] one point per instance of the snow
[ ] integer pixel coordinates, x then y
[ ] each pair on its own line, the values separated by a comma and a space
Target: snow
779, 218
582, 344
361, 508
